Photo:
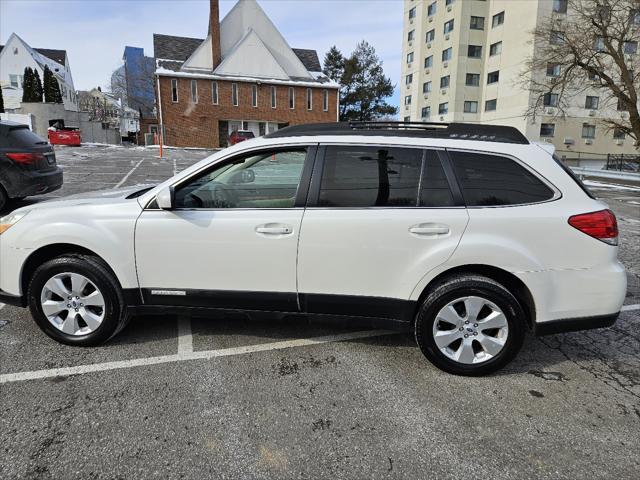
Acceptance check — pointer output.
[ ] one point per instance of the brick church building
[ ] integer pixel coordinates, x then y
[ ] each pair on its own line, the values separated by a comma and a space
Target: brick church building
243, 76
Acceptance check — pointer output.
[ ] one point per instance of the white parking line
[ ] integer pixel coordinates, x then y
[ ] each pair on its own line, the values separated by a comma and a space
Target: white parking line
119, 184
204, 355
628, 308
185, 339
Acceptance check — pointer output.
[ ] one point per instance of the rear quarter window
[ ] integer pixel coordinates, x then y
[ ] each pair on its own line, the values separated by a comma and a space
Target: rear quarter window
491, 180
573, 176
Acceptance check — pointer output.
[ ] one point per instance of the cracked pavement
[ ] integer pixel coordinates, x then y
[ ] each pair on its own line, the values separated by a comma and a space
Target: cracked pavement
568, 407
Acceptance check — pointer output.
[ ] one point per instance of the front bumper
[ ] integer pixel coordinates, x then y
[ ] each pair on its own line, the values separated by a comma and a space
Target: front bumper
575, 324
15, 300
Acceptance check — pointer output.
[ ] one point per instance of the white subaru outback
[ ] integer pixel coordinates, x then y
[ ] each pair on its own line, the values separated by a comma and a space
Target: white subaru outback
467, 234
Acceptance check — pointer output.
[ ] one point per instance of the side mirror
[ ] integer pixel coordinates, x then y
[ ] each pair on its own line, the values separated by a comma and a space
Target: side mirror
165, 198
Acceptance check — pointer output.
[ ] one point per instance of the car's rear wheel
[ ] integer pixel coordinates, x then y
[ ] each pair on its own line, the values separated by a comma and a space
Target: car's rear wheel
76, 300
470, 325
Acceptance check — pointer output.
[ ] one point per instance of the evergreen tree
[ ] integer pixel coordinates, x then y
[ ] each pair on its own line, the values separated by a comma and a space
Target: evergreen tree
51, 88
364, 86
27, 85
37, 87
55, 89
334, 64
1, 101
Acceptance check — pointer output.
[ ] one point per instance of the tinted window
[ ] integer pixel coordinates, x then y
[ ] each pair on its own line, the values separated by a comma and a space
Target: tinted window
434, 191
488, 180
261, 180
370, 177
21, 137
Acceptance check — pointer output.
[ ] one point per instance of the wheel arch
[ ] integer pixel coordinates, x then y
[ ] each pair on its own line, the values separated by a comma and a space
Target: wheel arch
49, 252
510, 281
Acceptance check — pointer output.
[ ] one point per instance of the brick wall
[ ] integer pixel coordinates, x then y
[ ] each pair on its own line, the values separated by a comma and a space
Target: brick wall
189, 124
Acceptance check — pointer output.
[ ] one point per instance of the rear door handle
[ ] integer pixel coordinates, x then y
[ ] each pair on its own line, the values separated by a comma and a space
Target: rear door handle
429, 229
274, 229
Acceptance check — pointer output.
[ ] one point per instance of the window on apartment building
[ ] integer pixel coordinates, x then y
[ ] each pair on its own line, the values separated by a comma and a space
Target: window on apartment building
234, 94
412, 13
493, 77
490, 105
553, 69
254, 95
194, 91
495, 48
448, 27
599, 44
592, 76
447, 54
618, 134
407, 100
547, 129
497, 20
556, 37
443, 108
411, 35
410, 57
407, 119
560, 6
630, 47
588, 131
428, 62
470, 107
621, 106
635, 16
292, 98
309, 99
408, 80
474, 51
477, 23
550, 99
325, 100
426, 87
214, 93
431, 9
174, 90
472, 80
273, 97
431, 35
448, 2
592, 102
425, 112
444, 81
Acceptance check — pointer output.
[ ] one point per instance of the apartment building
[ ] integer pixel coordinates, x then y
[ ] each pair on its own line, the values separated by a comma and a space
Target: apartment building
463, 61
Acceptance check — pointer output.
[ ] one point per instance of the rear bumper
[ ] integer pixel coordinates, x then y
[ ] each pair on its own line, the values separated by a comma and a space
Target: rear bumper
15, 300
29, 183
575, 324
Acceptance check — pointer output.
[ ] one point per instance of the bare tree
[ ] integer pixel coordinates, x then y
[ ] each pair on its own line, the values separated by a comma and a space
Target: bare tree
592, 50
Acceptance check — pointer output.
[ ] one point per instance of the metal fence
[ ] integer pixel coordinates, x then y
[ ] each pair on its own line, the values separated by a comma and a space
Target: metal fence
623, 163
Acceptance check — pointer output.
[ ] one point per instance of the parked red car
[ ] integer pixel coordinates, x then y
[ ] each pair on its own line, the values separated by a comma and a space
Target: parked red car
238, 136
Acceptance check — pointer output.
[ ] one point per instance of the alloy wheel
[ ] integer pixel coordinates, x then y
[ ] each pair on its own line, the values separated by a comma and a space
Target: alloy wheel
470, 330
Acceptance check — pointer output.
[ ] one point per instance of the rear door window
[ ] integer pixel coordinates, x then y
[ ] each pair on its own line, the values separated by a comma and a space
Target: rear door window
434, 188
368, 176
491, 180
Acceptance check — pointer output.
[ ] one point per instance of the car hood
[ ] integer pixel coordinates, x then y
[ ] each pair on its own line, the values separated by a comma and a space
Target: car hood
115, 195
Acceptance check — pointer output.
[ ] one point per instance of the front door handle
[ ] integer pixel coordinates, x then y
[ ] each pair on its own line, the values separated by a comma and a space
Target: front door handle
429, 229
274, 229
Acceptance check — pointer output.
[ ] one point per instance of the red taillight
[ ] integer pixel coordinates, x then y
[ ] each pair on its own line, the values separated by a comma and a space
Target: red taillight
601, 225
25, 158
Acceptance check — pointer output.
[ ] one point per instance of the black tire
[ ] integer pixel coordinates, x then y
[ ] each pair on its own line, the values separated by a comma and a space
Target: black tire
116, 316
470, 286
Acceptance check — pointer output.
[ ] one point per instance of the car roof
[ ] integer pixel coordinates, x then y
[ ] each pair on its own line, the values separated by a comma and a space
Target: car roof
453, 131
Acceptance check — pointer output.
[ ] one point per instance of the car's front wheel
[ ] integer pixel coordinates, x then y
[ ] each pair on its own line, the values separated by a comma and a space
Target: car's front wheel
76, 300
470, 325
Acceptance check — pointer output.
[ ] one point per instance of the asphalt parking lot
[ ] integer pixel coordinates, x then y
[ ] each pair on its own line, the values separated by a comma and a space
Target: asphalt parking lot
228, 397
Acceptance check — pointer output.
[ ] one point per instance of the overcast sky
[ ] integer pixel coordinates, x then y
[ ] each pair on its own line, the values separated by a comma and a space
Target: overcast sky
95, 32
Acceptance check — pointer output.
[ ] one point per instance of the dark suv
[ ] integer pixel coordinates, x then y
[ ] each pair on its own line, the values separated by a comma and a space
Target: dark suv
27, 163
